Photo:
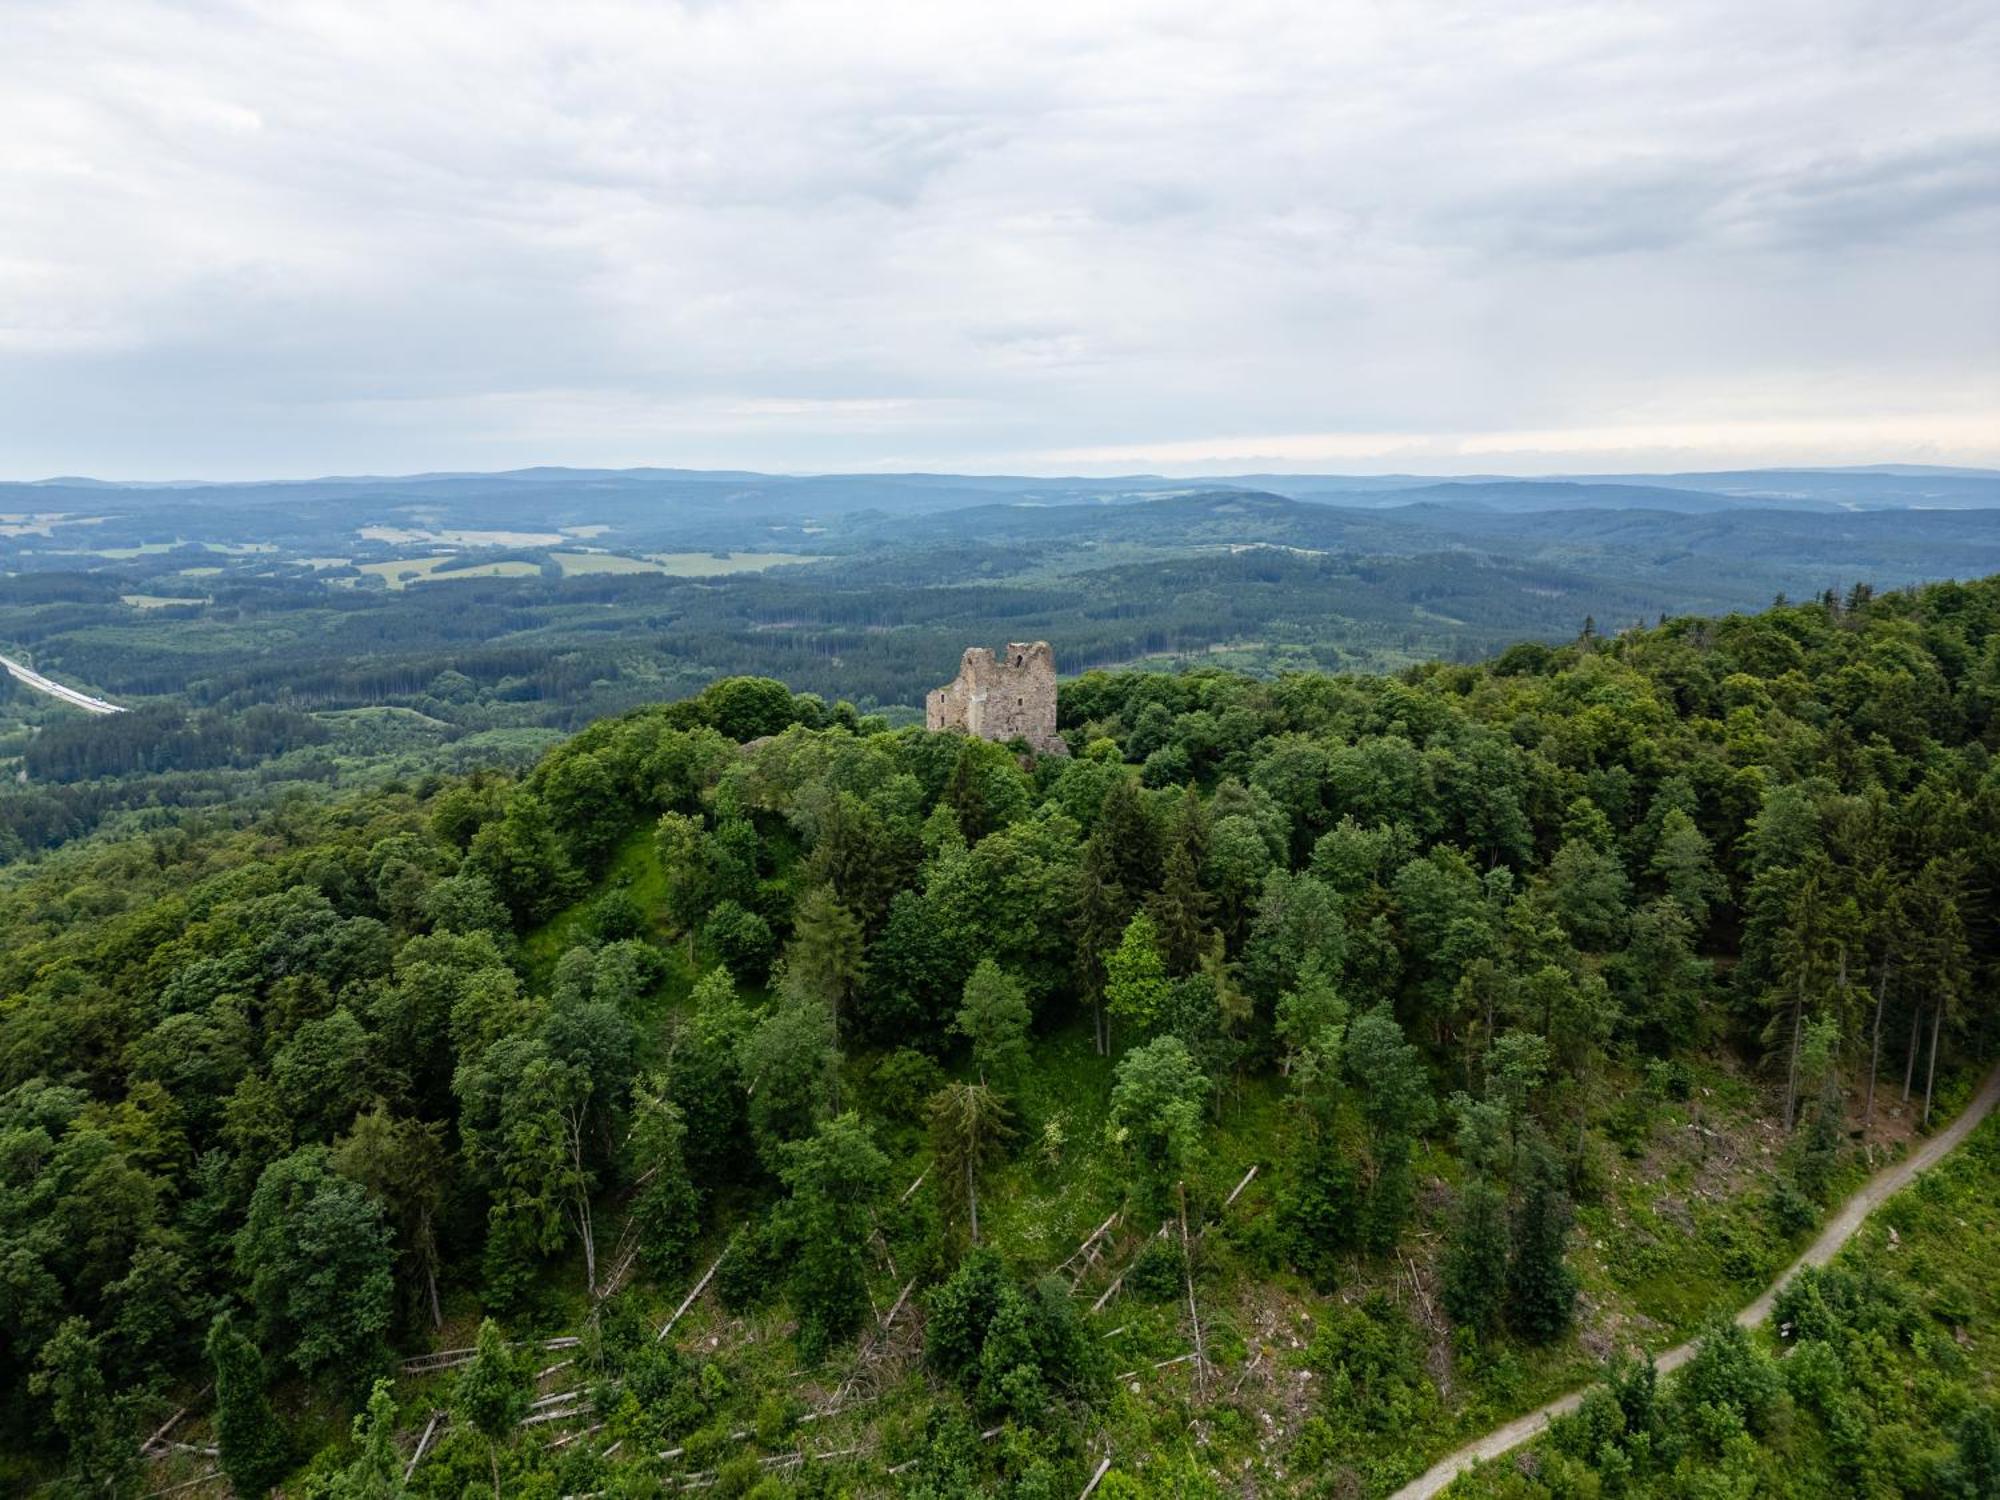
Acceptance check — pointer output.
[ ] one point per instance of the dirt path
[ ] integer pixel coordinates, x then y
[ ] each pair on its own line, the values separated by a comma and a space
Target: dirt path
1838, 1231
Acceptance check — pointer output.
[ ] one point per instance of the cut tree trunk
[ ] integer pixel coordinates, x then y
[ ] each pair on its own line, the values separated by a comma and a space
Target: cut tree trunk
1910, 1052
1930, 1076
1875, 1050
1792, 1074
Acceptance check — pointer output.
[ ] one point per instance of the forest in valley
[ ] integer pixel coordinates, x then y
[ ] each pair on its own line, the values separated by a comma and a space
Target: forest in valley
1304, 1075
315, 638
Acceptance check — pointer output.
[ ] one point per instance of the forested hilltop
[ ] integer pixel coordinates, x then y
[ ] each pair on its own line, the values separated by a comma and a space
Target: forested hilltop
1298, 1079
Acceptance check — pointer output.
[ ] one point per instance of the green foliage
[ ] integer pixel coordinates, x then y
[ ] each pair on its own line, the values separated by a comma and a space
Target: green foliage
1541, 1288
103, 1458
969, 1126
823, 961
832, 1179
789, 1063
366, 1064
1156, 1110
255, 1450
667, 1208
1158, 1271
492, 1394
316, 1257
994, 1018
376, 1470
1135, 975
1370, 1363
741, 939
1474, 1289
1013, 1349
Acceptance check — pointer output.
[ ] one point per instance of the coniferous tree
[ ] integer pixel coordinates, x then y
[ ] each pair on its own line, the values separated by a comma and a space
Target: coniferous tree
790, 1067
1475, 1265
1541, 1289
493, 1393
1129, 837
823, 961
376, 1470
1102, 910
969, 1125
1181, 908
1397, 1101
404, 1163
255, 1451
1682, 861
665, 1206
833, 1179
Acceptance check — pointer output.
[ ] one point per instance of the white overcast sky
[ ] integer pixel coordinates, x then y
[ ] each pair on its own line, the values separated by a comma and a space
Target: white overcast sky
1517, 235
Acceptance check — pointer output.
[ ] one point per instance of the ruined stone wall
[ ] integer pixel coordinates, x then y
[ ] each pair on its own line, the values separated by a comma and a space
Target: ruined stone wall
1004, 698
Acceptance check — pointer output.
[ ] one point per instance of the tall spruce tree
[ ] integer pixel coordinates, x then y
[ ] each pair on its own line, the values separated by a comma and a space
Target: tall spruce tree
1541, 1289
1475, 1265
493, 1392
255, 1452
1181, 908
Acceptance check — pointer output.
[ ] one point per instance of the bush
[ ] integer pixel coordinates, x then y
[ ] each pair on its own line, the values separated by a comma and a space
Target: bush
1320, 1211
741, 939
617, 916
752, 1271
1010, 1348
1792, 1212
1730, 1383
903, 1083
1371, 1359
1157, 1275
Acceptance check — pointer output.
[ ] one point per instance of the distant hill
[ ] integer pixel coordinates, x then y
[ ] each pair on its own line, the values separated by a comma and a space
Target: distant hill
561, 495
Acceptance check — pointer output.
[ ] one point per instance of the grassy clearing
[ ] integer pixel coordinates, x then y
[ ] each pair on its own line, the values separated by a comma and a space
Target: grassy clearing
574, 564
709, 565
401, 535
636, 868
403, 572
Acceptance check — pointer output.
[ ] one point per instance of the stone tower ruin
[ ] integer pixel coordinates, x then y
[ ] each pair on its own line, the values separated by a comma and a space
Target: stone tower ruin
1002, 699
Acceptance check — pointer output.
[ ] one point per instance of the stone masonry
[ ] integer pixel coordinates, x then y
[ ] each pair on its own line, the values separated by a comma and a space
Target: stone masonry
1002, 699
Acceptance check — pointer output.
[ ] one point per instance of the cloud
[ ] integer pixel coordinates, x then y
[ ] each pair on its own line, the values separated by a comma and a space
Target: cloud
264, 237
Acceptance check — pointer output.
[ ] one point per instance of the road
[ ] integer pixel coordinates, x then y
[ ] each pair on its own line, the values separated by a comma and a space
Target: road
68, 695
1838, 1231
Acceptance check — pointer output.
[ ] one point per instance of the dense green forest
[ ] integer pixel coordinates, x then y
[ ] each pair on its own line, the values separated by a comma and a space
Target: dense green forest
337, 635
1303, 1075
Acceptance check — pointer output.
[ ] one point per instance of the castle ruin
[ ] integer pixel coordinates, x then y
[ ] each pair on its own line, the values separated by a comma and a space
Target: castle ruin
1001, 699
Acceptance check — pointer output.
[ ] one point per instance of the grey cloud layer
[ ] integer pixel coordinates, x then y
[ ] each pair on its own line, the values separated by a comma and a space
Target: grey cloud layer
260, 238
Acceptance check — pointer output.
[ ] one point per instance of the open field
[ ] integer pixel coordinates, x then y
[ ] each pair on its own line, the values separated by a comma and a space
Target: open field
574, 564
709, 565
458, 537
404, 571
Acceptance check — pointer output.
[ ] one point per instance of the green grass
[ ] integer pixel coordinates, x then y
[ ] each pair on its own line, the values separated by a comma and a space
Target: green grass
636, 867
709, 565
574, 564
403, 572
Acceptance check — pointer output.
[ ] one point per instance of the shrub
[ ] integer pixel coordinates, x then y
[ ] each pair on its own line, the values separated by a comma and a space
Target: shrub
741, 939
1157, 1275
